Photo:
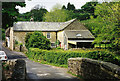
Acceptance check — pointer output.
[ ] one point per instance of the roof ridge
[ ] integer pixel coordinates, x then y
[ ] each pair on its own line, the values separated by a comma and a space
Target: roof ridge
71, 20
51, 22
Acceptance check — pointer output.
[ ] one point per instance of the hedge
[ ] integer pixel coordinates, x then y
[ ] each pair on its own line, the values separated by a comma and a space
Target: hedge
60, 56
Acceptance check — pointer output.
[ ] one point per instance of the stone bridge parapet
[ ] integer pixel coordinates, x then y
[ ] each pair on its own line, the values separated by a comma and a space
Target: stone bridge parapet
14, 70
93, 69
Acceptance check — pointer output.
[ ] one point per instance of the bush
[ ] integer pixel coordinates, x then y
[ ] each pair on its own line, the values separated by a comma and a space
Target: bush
37, 40
60, 57
3, 34
16, 42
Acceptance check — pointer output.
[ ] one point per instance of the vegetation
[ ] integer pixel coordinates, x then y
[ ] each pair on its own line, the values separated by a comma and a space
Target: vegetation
57, 15
109, 13
3, 34
94, 25
37, 40
60, 57
89, 8
84, 13
106, 27
36, 13
10, 13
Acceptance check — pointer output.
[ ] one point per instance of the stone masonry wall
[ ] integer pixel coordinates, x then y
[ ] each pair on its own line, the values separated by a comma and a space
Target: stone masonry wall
93, 69
20, 37
14, 70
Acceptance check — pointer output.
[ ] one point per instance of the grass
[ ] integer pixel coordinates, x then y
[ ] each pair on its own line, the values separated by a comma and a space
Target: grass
75, 75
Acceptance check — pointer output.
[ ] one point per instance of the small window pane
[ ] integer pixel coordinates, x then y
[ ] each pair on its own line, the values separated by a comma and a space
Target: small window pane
52, 44
48, 35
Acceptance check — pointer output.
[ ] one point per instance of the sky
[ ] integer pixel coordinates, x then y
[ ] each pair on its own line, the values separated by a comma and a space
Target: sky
48, 4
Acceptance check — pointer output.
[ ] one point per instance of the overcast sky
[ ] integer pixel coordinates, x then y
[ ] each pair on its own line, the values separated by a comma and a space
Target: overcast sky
48, 4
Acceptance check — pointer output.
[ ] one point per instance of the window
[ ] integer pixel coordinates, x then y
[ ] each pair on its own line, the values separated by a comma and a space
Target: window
78, 35
48, 35
52, 44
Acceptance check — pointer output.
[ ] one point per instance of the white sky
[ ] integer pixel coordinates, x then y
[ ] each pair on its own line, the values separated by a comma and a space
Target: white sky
48, 4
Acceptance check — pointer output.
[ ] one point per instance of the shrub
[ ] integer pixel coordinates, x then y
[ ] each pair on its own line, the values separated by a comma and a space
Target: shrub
3, 34
26, 39
37, 40
60, 57
16, 42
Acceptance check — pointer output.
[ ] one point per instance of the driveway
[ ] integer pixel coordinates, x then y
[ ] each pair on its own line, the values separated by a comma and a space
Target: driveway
41, 72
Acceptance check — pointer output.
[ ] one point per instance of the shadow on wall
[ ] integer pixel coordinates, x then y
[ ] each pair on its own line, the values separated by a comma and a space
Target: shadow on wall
14, 70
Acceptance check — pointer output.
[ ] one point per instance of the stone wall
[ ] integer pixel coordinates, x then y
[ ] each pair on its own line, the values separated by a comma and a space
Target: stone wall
20, 37
21, 49
93, 69
14, 70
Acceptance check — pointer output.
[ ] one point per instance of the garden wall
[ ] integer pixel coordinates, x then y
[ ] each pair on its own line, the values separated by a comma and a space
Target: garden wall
14, 70
93, 69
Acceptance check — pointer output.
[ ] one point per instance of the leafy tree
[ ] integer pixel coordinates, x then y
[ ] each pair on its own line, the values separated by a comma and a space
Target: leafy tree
109, 13
81, 14
63, 7
37, 40
3, 34
24, 17
10, 13
70, 6
36, 13
94, 25
56, 7
89, 7
27, 39
58, 15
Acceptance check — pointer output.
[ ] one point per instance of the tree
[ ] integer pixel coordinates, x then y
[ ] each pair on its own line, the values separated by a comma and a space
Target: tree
10, 13
37, 12
109, 13
56, 7
63, 7
57, 15
3, 34
70, 6
89, 7
81, 14
37, 40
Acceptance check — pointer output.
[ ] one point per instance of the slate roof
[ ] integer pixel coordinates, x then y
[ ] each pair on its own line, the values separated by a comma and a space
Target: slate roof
79, 34
40, 26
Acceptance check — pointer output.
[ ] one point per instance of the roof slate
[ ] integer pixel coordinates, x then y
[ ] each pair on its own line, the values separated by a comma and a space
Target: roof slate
83, 34
40, 26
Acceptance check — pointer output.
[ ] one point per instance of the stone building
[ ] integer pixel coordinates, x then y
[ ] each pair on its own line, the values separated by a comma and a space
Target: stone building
71, 34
